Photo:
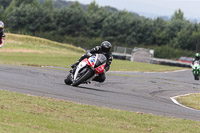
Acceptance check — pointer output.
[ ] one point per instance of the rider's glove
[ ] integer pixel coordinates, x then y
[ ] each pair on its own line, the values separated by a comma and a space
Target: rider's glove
89, 54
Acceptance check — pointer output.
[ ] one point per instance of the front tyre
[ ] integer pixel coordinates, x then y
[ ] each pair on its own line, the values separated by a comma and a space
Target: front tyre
83, 78
68, 80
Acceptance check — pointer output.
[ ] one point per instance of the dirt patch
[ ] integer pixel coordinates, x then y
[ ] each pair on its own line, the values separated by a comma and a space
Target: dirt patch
21, 51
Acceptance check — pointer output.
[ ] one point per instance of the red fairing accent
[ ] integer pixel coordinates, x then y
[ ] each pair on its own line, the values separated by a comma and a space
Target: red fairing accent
1, 41
87, 62
1, 45
93, 64
100, 69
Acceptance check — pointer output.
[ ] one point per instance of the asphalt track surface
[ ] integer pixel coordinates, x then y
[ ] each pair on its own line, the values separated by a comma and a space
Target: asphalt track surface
133, 91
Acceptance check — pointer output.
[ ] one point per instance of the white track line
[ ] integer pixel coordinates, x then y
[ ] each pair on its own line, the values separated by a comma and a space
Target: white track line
176, 102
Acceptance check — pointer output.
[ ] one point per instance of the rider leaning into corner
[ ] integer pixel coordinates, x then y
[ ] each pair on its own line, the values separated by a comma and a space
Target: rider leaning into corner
2, 35
103, 49
196, 58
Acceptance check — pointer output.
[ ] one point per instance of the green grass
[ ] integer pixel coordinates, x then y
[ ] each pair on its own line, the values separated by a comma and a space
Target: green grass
24, 113
192, 101
27, 50
122, 65
38, 59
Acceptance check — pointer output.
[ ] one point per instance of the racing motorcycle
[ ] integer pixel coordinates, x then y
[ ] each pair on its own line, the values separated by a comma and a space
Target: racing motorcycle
196, 70
86, 70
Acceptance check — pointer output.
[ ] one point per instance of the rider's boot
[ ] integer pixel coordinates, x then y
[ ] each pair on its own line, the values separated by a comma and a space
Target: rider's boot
87, 82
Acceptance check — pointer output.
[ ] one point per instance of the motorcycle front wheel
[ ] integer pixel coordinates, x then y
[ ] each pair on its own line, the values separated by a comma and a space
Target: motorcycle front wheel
68, 80
83, 78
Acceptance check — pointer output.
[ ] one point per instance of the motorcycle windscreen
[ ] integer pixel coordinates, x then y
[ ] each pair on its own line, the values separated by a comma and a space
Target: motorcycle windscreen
101, 59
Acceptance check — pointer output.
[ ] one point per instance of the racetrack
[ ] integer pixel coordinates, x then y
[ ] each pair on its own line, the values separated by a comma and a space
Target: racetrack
133, 91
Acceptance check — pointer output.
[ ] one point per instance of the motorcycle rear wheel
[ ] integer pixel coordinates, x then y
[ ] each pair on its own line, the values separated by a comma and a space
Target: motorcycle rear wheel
196, 74
83, 78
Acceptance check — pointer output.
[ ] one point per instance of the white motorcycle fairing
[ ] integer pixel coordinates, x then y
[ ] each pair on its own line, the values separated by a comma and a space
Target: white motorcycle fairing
79, 67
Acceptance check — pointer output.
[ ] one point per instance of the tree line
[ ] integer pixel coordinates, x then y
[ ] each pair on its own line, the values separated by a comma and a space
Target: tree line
88, 27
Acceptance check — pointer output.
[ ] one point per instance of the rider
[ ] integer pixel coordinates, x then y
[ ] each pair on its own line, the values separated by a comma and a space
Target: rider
2, 35
197, 58
103, 49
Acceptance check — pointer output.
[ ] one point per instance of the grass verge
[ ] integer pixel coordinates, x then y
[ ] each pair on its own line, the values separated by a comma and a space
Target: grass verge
123, 65
25, 113
192, 101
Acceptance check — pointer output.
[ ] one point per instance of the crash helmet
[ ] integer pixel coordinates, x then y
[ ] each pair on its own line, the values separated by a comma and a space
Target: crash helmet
1, 26
197, 56
106, 46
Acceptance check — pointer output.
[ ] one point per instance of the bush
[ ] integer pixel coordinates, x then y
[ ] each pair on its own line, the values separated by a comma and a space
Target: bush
171, 53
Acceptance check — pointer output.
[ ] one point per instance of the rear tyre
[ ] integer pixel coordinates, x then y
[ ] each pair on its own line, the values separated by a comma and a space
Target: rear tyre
196, 77
196, 74
83, 78
68, 80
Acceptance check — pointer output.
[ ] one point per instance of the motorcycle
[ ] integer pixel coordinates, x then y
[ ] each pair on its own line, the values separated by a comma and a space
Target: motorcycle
86, 70
196, 70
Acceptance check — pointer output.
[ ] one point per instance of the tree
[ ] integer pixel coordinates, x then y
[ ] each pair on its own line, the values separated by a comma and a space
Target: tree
160, 34
183, 40
24, 17
46, 19
2, 11
178, 15
17, 3
5, 3
95, 17
196, 40
176, 28
48, 5
71, 20
142, 31
117, 25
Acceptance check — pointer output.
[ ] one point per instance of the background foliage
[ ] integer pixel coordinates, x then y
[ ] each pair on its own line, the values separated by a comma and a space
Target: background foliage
87, 25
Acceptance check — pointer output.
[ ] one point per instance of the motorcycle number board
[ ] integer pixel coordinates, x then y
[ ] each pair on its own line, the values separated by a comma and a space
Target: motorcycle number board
92, 60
